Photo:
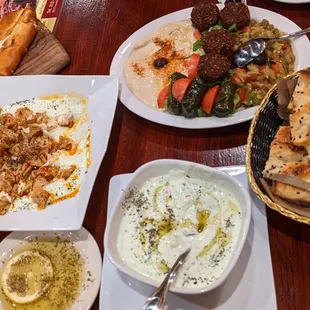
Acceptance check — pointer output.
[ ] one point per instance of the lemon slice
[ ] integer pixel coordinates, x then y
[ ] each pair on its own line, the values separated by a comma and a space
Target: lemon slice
27, 276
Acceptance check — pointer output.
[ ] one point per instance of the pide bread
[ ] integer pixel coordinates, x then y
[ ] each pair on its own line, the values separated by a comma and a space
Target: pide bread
17, 30
287, 169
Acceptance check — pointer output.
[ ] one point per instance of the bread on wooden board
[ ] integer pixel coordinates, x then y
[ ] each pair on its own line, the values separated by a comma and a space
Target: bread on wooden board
17, 30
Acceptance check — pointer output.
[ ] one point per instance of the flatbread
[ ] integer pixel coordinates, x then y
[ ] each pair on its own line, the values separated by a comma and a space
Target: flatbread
284, 203
290, 192
282, 150
287, 163
299, 107
17, 30
285, 91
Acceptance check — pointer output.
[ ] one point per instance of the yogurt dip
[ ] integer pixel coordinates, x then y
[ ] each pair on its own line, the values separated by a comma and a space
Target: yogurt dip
167, 215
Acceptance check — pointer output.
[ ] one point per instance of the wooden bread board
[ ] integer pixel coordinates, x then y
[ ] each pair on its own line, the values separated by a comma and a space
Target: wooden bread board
44, 56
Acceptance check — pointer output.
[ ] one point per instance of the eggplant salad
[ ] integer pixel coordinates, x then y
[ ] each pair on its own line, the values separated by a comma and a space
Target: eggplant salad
212, 87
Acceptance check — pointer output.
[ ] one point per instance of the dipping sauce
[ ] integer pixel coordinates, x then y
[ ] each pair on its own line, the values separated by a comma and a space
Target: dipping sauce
171, 213
68, 268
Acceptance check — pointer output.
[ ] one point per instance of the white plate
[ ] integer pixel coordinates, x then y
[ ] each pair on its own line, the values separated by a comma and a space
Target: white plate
101, 92
250, 286
85, 245
301, 48
161, 167
293, 1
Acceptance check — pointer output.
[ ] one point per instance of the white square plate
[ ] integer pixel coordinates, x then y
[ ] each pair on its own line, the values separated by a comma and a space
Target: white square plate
101, 93
250, 286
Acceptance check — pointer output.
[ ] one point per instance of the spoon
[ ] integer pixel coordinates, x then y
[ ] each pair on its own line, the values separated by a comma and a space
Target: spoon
158, 299
253, 48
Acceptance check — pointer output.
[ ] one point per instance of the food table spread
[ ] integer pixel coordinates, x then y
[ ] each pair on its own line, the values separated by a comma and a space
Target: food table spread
91, 32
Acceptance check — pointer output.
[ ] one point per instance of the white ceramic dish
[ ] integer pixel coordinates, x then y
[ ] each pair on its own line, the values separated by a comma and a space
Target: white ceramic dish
293, 1
243, 288
101, 92
86, 246
160, 167
301, 48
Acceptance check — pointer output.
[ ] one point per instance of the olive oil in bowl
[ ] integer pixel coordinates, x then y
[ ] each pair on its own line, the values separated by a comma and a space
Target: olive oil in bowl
68, 270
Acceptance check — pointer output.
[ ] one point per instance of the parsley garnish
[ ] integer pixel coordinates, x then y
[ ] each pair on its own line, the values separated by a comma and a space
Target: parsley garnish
166, 104
201, 112
269, 61
232, 28
197, 45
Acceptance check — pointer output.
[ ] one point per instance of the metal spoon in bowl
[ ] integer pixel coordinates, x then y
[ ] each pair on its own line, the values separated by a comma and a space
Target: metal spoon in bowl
158, 299
253, 48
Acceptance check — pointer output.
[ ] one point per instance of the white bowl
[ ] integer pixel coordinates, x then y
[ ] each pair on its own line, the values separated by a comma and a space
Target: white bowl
161, 167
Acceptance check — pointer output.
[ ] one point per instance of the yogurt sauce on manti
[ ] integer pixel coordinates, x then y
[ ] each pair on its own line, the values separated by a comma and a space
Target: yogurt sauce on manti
168, 214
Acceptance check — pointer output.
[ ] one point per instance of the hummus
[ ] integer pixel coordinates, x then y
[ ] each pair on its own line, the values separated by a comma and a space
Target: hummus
174, 42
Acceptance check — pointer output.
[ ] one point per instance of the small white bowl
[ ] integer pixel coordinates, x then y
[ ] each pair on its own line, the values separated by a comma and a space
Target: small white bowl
161, 167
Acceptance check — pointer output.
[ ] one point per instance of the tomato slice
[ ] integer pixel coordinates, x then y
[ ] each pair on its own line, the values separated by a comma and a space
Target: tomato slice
254, 85
262, 69
285, 46
239, 75
197, 34
236, 79
250, 77
275, 68
179, 88
193, 66
209, 98
275, 57
242, 93
162, 96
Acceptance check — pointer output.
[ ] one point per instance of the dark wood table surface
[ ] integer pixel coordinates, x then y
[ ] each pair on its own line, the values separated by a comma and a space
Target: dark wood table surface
91, 31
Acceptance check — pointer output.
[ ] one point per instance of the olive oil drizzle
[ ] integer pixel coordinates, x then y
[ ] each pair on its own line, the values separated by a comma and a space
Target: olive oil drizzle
68, 275
150, 230
157, 229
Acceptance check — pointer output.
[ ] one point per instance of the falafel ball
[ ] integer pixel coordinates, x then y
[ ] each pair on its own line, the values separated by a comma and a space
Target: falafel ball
213, 67
235, 13
204, 15
218, 42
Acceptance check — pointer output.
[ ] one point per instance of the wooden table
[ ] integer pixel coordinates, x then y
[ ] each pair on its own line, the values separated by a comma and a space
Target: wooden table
91, 31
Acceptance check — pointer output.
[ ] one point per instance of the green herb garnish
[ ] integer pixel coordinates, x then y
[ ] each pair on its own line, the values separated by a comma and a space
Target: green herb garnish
232, 28
216, 27
252, 100
236, 100
201, 112
241, 85
269, 61
166, 104
197, 45
212, 84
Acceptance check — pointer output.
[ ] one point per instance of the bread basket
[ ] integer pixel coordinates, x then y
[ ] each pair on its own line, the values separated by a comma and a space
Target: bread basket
264, 126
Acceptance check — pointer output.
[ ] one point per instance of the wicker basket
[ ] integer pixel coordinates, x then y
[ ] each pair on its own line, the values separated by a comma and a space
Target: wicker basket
264, 127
